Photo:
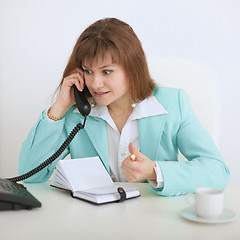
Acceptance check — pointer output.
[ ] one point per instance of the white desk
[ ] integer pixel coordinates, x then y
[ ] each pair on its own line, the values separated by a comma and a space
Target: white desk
148, 217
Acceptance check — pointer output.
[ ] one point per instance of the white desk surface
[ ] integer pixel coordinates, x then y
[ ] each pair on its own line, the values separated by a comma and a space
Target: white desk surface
148, 217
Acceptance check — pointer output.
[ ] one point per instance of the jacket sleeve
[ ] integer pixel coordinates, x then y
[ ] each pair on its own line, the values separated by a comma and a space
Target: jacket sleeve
205, 166
42, 141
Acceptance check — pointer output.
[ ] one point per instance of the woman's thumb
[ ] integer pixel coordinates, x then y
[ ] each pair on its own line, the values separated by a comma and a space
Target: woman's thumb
132, 149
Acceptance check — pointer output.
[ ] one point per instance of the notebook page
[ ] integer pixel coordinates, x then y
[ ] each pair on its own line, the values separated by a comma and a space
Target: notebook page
85, 173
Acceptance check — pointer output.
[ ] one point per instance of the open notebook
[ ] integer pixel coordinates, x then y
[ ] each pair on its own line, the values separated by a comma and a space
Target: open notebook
88, 179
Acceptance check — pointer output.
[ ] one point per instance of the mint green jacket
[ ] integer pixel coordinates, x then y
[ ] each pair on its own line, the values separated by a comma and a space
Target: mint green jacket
160, 138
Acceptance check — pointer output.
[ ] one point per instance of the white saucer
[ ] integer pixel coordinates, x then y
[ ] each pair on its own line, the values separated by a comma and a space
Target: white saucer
189, 214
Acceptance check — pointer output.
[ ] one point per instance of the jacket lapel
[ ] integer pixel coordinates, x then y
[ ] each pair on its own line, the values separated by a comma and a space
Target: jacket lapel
150, 133
96, 130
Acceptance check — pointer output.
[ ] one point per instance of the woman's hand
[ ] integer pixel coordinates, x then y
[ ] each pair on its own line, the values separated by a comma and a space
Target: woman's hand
66, 96
139, 169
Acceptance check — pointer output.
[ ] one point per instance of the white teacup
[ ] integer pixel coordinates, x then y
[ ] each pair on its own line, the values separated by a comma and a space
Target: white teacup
208, 202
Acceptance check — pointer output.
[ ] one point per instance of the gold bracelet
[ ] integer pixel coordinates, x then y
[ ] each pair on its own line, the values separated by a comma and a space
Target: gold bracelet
52, 117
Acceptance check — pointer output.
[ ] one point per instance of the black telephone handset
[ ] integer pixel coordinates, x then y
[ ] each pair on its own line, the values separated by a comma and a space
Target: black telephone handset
15, 196
81, 102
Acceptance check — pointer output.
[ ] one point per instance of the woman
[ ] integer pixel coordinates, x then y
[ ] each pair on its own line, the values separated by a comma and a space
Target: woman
130, 115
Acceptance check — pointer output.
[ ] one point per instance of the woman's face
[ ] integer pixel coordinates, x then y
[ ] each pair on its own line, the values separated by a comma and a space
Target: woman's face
107, 82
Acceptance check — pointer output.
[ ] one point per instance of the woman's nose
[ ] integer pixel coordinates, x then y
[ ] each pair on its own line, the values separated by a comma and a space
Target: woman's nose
97, 81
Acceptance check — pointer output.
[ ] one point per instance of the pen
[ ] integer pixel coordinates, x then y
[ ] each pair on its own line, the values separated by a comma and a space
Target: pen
133, 157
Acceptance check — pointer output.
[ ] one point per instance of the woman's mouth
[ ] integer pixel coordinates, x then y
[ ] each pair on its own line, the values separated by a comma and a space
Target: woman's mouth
100, 94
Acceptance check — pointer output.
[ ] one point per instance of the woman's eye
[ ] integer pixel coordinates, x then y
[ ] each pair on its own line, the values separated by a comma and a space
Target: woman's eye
87, 71
107, 72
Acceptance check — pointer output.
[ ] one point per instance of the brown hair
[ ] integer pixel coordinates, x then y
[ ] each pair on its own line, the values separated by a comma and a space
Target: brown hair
113, 36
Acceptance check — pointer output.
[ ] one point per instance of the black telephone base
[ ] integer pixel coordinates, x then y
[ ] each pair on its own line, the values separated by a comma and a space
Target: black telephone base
12, 206
14, 196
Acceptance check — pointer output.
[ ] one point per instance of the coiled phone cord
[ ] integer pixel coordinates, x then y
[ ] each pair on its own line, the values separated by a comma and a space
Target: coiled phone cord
70, 137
